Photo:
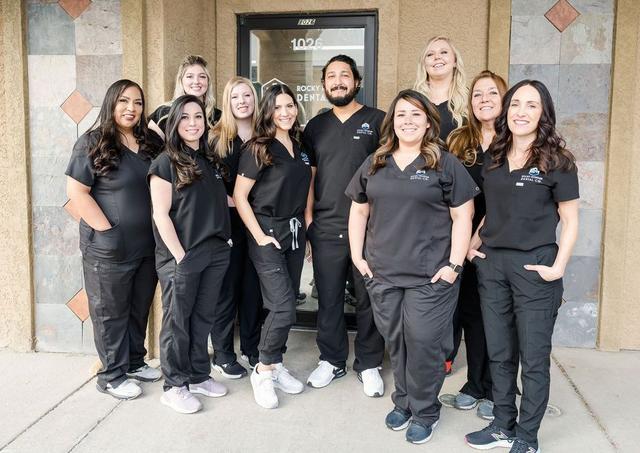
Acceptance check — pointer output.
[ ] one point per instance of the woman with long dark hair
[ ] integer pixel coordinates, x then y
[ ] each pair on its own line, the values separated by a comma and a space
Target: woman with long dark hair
271, 195
241, 287
193, 77
413, 202
191, 224
469, 143
530, 184
107, 185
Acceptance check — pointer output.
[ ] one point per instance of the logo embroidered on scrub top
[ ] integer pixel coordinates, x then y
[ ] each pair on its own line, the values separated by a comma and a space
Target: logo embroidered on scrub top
533, 176
534, 171
365, 129
421, 175
305, 158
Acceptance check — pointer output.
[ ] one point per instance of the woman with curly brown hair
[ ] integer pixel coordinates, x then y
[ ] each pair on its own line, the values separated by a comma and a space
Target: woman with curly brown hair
413, 202
530, 184
107, 185
271, 194
191, 224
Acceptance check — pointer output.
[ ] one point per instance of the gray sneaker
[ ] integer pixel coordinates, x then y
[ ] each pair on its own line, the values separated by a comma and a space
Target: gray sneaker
465, 402
145, 374
485, 410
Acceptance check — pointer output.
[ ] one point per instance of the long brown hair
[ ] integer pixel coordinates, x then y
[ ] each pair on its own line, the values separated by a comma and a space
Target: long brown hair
548, 150
187, 170
464, 141
431, 143
266, 127
105, 155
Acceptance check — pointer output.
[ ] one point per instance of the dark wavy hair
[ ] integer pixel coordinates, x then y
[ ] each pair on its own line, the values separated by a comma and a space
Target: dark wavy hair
187, 170
548, 151
431, 145
352, 64
105, 155
265, 132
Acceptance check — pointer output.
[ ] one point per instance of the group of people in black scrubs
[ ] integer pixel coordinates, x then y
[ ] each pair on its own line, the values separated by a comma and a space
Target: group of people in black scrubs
444, 209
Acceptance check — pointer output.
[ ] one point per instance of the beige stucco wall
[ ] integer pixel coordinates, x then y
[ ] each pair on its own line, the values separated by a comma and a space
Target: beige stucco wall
620, 302
16, 289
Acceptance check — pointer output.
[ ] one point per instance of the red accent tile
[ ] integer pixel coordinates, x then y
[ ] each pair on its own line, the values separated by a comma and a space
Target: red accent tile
76, 106
79, 305
74, 8
561, 15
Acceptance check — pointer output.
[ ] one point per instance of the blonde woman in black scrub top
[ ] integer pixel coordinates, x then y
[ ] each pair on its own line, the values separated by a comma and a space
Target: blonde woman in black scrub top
530, 183
441, 78
107, 185
414, 203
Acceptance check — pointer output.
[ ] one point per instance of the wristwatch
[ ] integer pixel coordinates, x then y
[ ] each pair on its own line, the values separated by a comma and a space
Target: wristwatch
456, 267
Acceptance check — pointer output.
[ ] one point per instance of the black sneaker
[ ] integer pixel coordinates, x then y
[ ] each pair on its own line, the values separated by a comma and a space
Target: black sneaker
520, 446
231, 370
490, 437
419, 433
397, 419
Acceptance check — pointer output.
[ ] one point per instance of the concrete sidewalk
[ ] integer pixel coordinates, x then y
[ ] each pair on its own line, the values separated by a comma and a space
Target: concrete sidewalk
48, 403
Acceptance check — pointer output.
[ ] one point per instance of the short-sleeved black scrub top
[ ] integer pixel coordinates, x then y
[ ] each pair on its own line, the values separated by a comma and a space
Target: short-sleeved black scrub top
280, 190
522, 205
447, 123
199, 211
159, 116
231, 161
338, 149
409, 230
122, 195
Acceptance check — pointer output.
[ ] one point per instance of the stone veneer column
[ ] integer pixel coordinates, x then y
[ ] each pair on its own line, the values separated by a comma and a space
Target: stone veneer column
16, 288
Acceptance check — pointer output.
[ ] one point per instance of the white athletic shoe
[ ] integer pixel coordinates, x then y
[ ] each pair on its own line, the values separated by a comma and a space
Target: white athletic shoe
127, 390
181, 400
372, 382
283, 380
145, 374
324, 374
209, 388
263, 389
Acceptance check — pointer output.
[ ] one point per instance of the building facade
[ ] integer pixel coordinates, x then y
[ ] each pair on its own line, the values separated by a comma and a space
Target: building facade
58, 58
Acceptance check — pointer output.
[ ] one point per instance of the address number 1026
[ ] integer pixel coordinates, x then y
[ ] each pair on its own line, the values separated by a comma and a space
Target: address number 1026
306, 44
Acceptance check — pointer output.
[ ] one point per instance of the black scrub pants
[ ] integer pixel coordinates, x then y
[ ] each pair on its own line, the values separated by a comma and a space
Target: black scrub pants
469, 319
519, 309
240, 293
416, 325
278, 270
190, 291
331, 267
120, 296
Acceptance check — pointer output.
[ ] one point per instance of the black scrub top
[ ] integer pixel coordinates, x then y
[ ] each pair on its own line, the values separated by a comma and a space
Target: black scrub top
122, 195
475, 171
231, 161
281, 189
447, 124
199, 211
409, 230
522, 205
159, 116
337, 150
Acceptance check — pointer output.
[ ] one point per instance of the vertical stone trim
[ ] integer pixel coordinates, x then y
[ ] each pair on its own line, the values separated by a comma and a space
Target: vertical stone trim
16, 282
498, 48
619, 306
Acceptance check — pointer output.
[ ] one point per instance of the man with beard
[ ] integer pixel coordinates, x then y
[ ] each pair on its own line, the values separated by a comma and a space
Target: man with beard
337, 142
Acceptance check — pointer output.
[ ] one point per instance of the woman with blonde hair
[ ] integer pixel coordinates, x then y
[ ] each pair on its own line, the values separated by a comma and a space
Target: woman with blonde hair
441, 78
193, 78
241, 288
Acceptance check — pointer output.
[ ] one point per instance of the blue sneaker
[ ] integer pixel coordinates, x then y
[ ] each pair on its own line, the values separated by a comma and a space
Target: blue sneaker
520, 446
397, 419
490, 437
419, 433
465, 402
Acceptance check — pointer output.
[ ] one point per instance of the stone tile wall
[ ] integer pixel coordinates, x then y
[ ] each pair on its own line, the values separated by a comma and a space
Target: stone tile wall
575, 64
74, 54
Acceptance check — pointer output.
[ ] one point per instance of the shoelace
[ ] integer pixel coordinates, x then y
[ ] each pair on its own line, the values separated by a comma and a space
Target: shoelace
183, 393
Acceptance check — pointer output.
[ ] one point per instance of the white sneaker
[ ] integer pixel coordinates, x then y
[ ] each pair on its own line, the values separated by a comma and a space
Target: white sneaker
263, 389
127, 390
181, 400
145, 374
324, 374
372, 382
285, 382
209, 388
